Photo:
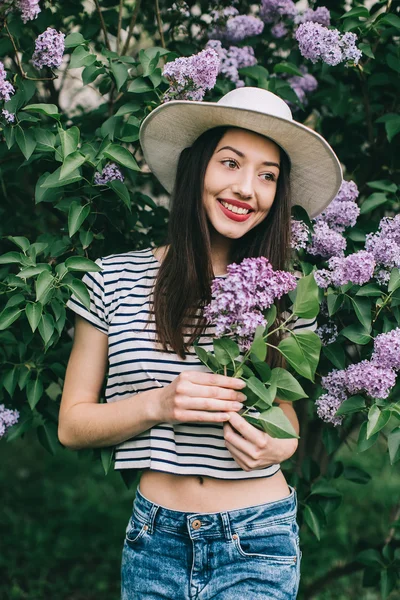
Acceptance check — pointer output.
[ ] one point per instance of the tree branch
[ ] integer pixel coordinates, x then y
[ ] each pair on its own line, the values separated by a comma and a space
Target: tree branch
23, 74
159, 24
121, 6
103, 25
131, 26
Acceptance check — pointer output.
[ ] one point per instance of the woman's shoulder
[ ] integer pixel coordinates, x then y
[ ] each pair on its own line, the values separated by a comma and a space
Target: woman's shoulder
144, 257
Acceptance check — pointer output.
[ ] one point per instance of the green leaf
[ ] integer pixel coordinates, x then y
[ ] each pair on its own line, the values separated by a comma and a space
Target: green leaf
51, 110
45, 138
362, 308
335, 353
85, 238
306, 304
122, 156
122, 191
356, 333
225, 350
10, 381
259, 389
334, 302
31, 271
313, 521
90, 73
128, 108
302, 351
323, 488
26, 141
358, 11
52, 180
20, 241
72, 162
259, 348
393, 440
371, 289
262, 368
81, 57
288, 388
390, 19
46, 327
120, 73
11, 258
80, 263
69, 140
383, 184
356, 474
76, 216
394, 281
257, 72
366, 49
139, 86
106, 456
363, 443
389, 580
375, 200
8, 316
43, 284
352, 404
371, 558
48, 437
77, 287
34, 391
377, 419
288, 67
74, 39
276, 424
34, 312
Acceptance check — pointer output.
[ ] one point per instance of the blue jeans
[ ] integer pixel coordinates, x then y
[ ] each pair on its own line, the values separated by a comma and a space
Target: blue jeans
249, 553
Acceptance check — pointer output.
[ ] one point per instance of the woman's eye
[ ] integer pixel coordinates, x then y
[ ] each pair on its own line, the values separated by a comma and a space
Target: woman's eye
271, 176
229, 160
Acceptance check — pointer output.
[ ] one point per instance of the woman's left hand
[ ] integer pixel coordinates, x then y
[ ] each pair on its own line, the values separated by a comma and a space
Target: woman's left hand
252, 448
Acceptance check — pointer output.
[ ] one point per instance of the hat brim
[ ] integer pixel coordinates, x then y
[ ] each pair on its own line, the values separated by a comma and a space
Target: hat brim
315, 176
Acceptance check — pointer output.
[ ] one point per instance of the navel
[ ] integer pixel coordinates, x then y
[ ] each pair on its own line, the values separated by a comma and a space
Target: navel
201, 480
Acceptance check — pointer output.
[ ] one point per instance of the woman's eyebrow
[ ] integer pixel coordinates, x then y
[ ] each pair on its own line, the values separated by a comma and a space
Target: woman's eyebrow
268, 164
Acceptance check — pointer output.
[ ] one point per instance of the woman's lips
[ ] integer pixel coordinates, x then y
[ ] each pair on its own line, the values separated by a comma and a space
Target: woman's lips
233, 216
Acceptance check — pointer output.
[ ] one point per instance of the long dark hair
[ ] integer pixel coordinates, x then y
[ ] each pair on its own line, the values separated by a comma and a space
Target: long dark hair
183, 283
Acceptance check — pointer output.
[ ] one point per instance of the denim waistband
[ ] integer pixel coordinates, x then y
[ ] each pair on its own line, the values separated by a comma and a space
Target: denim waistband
217, 523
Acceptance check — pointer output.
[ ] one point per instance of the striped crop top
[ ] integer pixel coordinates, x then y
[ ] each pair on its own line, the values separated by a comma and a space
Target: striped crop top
119, 307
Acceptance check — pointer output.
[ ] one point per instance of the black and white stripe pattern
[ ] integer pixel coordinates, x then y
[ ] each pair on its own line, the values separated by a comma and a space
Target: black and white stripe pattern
119, 306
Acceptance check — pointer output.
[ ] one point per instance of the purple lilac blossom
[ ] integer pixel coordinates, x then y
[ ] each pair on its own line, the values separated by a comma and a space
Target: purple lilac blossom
110, 172
348, 191
375, 380
327, 333
6, 89
239, 299
387, 349
272, 10
233, 59
299, 234
327, 405
326, 242
320, 15
49, 49
317, 42
9, 117
335, 383
303, 84
240, 27
385, 244
29, 9
357, 268
8, 417
190, 77
279, 30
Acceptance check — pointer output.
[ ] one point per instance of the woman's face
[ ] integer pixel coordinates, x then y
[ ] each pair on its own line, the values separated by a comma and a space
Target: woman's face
243, 170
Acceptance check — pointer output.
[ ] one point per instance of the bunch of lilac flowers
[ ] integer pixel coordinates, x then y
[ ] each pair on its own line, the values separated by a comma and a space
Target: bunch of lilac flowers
237, 28
239, 299
375, 377
49, 49
327, 333
8, 417
190, 77
343, 211
320, 15
232, 59
299, 234
279, 30
9, 117
303, 85
384, 245
110, 172
272, 10
357, 268
326, 242
317, 42
29, 9
6, 89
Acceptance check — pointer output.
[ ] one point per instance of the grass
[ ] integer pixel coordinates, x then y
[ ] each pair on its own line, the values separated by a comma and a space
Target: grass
63, 522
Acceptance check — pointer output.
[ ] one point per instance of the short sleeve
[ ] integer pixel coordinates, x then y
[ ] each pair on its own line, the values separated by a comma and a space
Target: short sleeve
297, 324
97, 314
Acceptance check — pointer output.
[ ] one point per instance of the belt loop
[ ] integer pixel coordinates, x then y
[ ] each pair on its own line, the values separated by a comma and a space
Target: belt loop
151, 517
227, 525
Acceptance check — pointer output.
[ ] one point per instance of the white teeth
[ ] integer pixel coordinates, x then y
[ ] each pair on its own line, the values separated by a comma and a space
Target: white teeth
235, 209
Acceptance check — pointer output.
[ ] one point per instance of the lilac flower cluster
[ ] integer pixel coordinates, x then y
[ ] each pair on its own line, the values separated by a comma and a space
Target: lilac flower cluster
110, 172
343, 211
232, 59
272, 10
326, 242
317, 42
299, 234
375, 377
303, 84
49, 49
357, 268
239, 299
237, 28
8, 417
190, 77
320, 15
384, 245
29, 9
327, 333
279, 30
6, 89
9, 117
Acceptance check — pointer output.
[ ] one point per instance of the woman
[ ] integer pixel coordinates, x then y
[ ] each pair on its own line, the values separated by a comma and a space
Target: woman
213, 516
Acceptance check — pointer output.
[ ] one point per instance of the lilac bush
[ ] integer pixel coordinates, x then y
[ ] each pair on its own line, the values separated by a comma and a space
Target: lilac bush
317, 42
49, 49
189, 78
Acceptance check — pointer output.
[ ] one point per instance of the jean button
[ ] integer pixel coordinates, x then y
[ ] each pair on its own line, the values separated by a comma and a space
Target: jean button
196, 524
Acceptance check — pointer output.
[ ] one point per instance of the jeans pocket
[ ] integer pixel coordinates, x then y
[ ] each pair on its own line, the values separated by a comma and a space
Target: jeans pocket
134, 530
275, 543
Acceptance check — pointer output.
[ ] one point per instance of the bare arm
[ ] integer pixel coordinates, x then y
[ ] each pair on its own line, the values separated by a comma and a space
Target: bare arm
83, 422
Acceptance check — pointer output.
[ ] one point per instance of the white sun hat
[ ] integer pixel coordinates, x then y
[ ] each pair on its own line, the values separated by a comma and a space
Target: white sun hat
315, 174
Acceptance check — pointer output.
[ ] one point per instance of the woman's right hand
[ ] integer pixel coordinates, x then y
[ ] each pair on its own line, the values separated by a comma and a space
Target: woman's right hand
200, 397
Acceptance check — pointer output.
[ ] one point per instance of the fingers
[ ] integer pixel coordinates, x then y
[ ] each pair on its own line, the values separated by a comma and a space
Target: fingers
213, 379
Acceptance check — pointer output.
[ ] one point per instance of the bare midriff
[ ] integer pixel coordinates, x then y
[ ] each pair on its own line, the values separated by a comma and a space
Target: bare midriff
195, 493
